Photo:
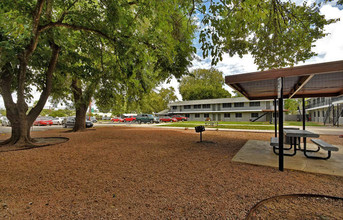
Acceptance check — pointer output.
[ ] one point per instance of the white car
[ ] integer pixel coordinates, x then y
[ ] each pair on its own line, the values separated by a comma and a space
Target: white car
57, 121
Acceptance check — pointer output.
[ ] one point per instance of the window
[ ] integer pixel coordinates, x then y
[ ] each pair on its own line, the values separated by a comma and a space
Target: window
239, 104
206, 106
254, 115
187, 107
187, 115
206, 115
226, 115
174, 107
323, 113
226, 105
314, 114
197, 106
238, 115
197, 115
252, 104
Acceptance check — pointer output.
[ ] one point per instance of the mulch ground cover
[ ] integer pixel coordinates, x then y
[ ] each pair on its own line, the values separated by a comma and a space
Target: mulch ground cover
129, 173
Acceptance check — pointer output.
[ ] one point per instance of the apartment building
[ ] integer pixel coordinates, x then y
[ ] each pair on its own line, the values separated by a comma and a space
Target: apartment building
224, 109
326, 110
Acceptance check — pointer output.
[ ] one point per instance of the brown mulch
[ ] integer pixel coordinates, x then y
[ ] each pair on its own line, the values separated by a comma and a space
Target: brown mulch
129, 173
298, 207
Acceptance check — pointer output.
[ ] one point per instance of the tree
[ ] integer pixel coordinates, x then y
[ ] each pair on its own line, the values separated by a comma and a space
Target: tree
132, 68
276, 33
203, 84
293, 106
157, 101
152, 102
34, 33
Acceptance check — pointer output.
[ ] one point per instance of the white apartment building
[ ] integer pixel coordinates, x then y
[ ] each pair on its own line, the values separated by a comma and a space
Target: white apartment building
326, 110
224, 109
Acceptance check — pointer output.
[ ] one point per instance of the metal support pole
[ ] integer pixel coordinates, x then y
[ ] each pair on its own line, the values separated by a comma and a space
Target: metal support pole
200, 136
275, 118
333, 115
303, 99
281, 157
304, 139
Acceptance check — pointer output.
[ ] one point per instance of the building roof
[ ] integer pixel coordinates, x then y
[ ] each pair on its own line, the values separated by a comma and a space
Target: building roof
210, 101
316, 80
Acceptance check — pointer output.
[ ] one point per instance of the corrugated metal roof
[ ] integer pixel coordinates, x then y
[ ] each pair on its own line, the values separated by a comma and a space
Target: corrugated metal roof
315, 80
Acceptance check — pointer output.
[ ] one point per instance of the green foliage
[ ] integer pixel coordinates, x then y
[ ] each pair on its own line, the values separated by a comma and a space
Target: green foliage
203, 84
57, 113
276, 33
157, 101
152, 102
125, 68
3, 112
292, 105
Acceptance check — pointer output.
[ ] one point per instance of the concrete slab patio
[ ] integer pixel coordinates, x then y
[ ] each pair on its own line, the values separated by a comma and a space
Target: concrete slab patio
261, 153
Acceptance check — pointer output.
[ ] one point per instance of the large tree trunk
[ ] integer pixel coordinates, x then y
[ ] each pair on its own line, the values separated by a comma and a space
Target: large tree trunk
80, 120
80, 106
21, 121
81, 100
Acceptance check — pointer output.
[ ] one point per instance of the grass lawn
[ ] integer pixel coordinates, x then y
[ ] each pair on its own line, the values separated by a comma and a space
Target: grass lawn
239, 125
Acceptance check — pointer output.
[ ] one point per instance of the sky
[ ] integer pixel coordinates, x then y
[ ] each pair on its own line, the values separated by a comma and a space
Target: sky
328, 49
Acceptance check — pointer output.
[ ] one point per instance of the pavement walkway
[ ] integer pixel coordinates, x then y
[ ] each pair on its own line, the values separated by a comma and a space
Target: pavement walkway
261, 153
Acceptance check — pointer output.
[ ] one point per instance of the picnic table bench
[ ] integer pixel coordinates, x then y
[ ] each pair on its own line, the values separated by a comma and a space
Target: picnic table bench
211, 123
325, 146
274, 142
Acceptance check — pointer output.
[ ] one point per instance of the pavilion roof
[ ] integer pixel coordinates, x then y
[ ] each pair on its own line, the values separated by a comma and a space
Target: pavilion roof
315, 80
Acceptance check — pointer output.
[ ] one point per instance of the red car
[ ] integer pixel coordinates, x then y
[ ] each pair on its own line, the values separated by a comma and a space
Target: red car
130, 119
43, 122
117, 119
167, 119
180, 117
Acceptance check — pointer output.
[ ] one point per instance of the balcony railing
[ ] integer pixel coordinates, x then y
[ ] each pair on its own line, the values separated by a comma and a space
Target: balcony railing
325, 102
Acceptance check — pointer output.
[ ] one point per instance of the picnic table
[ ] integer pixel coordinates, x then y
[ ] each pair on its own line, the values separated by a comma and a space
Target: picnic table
295, 136
211, 123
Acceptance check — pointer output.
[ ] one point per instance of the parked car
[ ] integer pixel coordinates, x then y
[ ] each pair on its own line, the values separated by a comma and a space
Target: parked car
145, 118
42, 122
116, 119
5, 121
130, 119
57, 121
92, 119
70, 122
180, 117
156, 119
167, 119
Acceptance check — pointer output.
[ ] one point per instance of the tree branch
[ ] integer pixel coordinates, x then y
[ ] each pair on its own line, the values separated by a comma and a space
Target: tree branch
74, 27
5, 83
34, 112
